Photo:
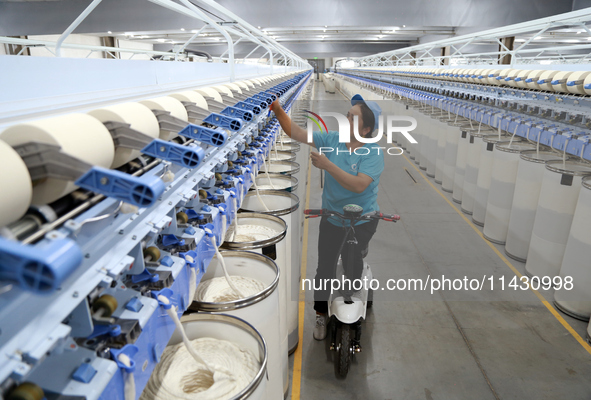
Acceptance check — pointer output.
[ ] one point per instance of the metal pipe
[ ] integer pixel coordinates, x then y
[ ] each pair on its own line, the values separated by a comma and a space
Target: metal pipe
218, 28
74, 25
184, 46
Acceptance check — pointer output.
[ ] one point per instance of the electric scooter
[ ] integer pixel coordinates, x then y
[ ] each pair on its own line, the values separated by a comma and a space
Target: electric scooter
347, 308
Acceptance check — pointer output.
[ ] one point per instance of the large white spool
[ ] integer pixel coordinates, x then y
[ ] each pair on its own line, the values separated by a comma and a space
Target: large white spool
244, 87
16, 183
286, 206
472, 166
534, 76
235, 330
210, 92
547, 77
173, 106
492, 76
460, 169
521, 77
561, 80
530, 173
576, 82
502, 188
191, 96
260, 310
78, 135
554, 216
575, 263
138, 116
223, 90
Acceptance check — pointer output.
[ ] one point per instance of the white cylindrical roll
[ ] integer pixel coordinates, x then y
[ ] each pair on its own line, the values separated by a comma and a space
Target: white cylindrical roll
530, 173
587, 82
492, 76
502, 188
576, 82
138, 116
521, 77
170, 104
460, 169
431, 146
78, 135
233, 87
560, 80
472, 166
210, 92
546, 78
531, 81
554, 216
223, 89
441, 128
243, 85
575, 263
484, 177
16, 183
191, 96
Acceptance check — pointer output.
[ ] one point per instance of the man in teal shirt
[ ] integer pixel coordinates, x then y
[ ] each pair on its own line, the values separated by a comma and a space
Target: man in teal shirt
353, 173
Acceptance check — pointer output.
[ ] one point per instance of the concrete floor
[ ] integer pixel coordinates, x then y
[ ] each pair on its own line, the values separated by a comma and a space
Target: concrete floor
452, 344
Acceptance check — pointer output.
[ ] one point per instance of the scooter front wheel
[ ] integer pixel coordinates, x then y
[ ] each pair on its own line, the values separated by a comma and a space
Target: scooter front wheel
342, 361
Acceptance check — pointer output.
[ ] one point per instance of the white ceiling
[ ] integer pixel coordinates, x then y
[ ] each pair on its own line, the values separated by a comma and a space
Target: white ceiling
310, 28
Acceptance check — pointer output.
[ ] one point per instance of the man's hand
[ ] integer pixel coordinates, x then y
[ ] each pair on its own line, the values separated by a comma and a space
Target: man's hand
320, 161
275, 106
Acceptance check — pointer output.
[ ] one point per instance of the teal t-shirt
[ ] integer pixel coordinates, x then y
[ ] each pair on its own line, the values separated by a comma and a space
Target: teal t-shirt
368, 160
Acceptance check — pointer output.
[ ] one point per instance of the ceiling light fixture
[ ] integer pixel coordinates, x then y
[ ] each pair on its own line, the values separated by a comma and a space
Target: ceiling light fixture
326, 26
259, 27
161, 40
182, 29
324, 30
404, 26
380, 36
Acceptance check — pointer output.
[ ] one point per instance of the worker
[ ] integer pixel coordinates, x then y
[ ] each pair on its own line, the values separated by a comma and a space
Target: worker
351, 177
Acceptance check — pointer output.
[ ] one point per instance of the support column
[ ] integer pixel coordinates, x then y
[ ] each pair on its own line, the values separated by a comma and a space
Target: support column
508, 42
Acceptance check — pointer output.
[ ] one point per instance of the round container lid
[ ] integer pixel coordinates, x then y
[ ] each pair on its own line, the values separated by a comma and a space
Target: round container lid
295, 202
496, 139
264, 218
541, 156
569, 167
516, 147
483, 132
251, 257
290, 167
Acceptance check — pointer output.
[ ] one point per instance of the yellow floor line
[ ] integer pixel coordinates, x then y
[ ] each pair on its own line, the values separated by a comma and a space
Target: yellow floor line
296, 382
555, 313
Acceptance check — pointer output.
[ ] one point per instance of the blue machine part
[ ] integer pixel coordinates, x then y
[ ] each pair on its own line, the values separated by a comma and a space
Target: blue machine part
185, 156
223, 121
238, 113
42, 268
141, 191
109, 258
257, 102
256, 110
202, 134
